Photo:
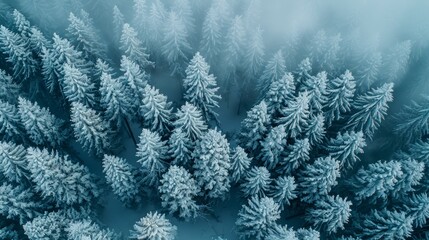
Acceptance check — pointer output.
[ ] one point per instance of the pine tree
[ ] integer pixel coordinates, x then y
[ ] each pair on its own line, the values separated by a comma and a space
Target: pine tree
273, 71
13, 164
18, 203
332, 213
155, 110
21, 23
152, 155
135, 78
8, 232
178, 192
201, 87
133, 48
281, 232
324, 50
369, 69
317, 179
254, 54
283, 190
212, 35
397, 61
59, 179
41, 126
87, 229
38, 41
386, 224
89, 129
304, 70
295, 115
212, 164
417, 207
10, 122
307, 234
254, 126
377, 180
340, 93
119, 175
118, 23
9, 90
77, 87
280, 93
50, 70
17, 53
256, 182
272, 146
180, 147
315, 131
240, 164
183, 9
257, 218
295, 155
413, 172
156, 19
154, 226
316, 86
370, 108
50, 225
346, 147
189, 120
234, 46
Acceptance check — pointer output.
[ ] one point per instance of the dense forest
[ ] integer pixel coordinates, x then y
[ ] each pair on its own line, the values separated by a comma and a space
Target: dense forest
214, 119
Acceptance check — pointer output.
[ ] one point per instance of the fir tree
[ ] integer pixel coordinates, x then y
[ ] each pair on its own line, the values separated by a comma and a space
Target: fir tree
332, 213
325, 49
256, 182
397, 61
283, 190
152, 155
307, 234
254, 126
417, 207
50, 70
184, 12
369, 69
8, 232
133, 48
77, 87
281, 232
386, 224
178, 192
304, 70
317, 179
156, 19
295, 115
189, 120
200, 87
119, 175
18, 203
89, 128
10, 122
135, 78
257, 218
212, 164
315, 86
295, 155
9, 90
234, 46
180, 147
38, 41
274, 70
240, 164
47, 226
212, 35
155, 110
41, 126
21, 23
370, 108
346, 147
339, 96
13, 164
254, 54
315, 131
154, 226
413, 172
272, 146
280, 93
87, 229
118, 23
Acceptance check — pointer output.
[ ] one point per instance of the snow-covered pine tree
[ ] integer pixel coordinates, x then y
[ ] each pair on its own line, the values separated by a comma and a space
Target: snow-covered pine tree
13, 164
254, 54
18, 203
254, 127
118, 24
234, 47
60, 179
307, 234
317, 179
156, 19
385, 224
331, 212
258, 218
41, 126
316, 86
17, 53
417, 206
50, 225
377, 180
413, 172
155, 110
49, 70
368, 70
38, 41
180, 147
201, 87
340, 93
9, 232
280, 93
397, 61
295, 155
295, 116
281, 232
101, 67
178, 192
89, 128
10, 122
256, 182
119, 175
21, 24
316, 131
273, 71
212, 35
134, 76
304, 70
346, 147
272, 147
189, 119
240, 164
87, 229
370, 108
9, 90
154, 226
132, 47
77, 86
212, 164
283, 190
152, 154
184, 11
324, 50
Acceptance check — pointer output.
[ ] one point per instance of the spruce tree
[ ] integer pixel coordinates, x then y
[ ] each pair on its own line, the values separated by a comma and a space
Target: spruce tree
87, 229
281, 232
180, 147
9, 90
316, 86
413, 121
13, 164
156, 18
254, 126
256, 182
398, 60
295, 155
10, 122
155, 110
283, 190
295, 116
272, 147
234, 47
413, 172
316, 131
21, 23
212, 35
307, 234
50, 225
385, 224
346, 147
281, 91
133, 76
118, 23
240, 164
133, 48
368, 70
154, 226
38, 41
274, 70
254, 54
78, 87
189, 120
417, 206
18, 203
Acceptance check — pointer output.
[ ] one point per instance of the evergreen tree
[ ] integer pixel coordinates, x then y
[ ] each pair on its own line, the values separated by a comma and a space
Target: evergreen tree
315, 86
317, 179
272, 146
13, 164
189, 120
156, 19
295, 155
50, 70
50, 225
295, 115
118, 23
256, 182
119, 175
281, 232
413, 172
89, 129
133, 48
370, 108
325, 49
8, 232
77, 87
9, 90
41, 126
140, 16
183, 9
21, 23
315, 131
283, 190
386, 224
280, 93
417, 207
346, 147
369, 69
331, 212
212, 164
87, 229
200, 87
257, 218
180, 147
274, 70
212, 35
59, 179
38, 41
154, 226
135, 78
397, 61
254, 126
234, 46
254, 54
307, 234
340, 93
10, 122
152, 155
304, 70
240, 164
155, 110
18, 203
178, 192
